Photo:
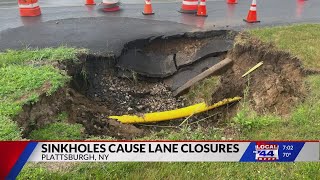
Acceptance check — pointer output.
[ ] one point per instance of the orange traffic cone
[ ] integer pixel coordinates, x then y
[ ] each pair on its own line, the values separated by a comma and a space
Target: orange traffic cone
90, 2
202, 8
189, 6
110, 5
147, 8
252, 15
232, 1
29, 8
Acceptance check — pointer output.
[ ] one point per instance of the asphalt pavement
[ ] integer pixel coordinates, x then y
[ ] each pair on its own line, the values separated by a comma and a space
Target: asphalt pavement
270, 12
89, 27
101, 35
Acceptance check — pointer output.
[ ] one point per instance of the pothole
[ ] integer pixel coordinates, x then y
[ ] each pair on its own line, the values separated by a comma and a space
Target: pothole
143, 78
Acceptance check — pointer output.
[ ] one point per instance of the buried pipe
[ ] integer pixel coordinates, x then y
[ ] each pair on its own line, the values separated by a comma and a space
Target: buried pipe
173, 114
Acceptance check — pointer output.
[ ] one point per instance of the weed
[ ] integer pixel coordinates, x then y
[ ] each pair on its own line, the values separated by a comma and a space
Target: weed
59, 131
9, 129
202, 91
62, 117
134, 76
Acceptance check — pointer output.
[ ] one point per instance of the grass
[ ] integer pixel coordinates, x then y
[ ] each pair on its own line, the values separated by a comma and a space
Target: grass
9, 130
59, 131
22, 84
62, 117
19, 57
302, 41
202, 90
177, 171
23, 79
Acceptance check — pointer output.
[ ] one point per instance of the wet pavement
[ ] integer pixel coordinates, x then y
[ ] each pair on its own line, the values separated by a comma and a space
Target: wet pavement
222, 15
84, 19
62, 3
101, 35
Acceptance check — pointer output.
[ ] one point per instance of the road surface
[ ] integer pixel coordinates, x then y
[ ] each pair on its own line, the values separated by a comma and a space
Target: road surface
87, 26
74, 24
220, 14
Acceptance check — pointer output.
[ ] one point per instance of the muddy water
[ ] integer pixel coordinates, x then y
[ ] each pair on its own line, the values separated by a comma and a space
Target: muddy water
57, 3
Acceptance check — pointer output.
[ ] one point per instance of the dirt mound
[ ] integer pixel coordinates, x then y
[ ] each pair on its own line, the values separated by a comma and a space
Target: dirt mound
274, 87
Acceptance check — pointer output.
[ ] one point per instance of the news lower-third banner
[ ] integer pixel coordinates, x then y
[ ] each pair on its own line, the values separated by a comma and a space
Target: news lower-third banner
16, 154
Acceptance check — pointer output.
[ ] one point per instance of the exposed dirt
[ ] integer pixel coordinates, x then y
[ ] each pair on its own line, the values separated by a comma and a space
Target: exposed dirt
93, 116
80, 110
274, 87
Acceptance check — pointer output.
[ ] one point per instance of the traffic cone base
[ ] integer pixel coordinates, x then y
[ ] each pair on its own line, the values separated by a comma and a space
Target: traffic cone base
189, 7
152, 13
30, 12
232, 2
203, 15
251, 21
112, 9
90, 2
108, 6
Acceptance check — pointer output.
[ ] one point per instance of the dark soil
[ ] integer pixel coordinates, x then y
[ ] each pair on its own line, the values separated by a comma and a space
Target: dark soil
80, 109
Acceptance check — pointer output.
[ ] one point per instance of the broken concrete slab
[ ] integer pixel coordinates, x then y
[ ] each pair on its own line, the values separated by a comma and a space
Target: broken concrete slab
162, 56
147, 64
189, 72
214, 47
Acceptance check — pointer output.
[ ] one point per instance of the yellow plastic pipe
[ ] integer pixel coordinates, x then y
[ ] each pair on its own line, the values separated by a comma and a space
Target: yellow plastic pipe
252, 69
173, 114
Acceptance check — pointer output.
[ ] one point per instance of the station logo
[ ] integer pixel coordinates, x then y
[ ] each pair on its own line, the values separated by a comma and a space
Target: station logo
266, 152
